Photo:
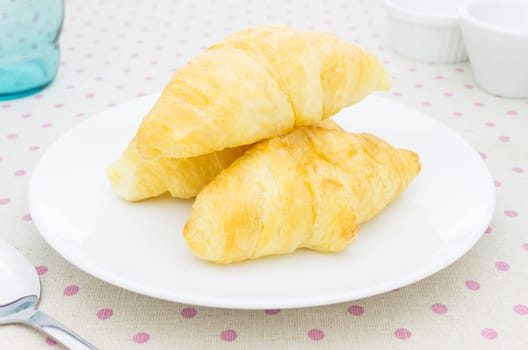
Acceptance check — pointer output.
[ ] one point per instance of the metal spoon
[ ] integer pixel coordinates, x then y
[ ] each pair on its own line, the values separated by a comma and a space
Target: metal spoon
19, 295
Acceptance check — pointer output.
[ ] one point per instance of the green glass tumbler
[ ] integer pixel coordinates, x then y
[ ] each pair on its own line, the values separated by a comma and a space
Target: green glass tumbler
29, 48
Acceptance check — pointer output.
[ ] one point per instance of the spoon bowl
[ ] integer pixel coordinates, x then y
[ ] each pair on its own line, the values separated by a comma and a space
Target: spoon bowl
19, 296
18, 277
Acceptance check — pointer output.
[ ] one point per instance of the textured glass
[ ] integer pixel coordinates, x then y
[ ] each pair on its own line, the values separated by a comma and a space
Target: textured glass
29, 49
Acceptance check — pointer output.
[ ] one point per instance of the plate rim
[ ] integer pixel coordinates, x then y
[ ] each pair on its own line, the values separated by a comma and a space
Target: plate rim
427, 270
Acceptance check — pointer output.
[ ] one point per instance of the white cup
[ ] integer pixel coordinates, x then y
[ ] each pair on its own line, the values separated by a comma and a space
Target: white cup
495, 34
426, 30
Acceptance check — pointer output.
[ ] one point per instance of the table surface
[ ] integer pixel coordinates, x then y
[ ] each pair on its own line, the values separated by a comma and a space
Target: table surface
114, 51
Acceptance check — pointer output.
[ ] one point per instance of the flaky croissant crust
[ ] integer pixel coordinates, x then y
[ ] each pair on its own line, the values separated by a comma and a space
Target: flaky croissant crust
309, 189
256, 84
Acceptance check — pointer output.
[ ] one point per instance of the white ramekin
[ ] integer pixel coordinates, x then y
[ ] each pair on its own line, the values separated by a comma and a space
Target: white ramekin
426, 30
496, 37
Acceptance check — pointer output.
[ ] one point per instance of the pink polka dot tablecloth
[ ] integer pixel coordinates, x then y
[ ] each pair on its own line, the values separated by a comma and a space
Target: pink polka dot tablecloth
114, 51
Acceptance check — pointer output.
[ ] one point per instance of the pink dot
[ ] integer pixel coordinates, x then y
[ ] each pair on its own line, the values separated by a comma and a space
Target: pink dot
472, 285
272, 311
50, 341
4, 201
71, 290
525, 246
439, 309
25, 115
521, 309
426, 104
488, 333
490, 124
47, 125
439, 77
483, 155
518, 170
459, 69
188, 312
502, 266
468, 86
510, 213
448, 94
511, 112
419, 86
402, 333
458, 114
140, 338
99, 78
6, 105
412, 69
90, 95
228, 335
20, 173
41, 269
356, 310
39, 96
396, 94
59, 105
497, 183
479, 104
316, 334
34, 148
488, 230
104, 314
12, 136
504, 138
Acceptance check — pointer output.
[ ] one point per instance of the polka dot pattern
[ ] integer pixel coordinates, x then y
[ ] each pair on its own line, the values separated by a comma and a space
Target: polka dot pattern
188, 312
104, 314
439, 309
141, 338
71, 290
229, 335
521, 309
272, 311
50, 341
502, 266
356, 310
41, 270
402, 333
316, 334
472, 285
112, 52
489, 333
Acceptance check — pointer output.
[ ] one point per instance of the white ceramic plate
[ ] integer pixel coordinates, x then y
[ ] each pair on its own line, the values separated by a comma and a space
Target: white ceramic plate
139, 246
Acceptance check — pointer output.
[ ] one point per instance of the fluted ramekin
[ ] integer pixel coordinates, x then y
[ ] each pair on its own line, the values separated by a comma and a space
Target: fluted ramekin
496, 36
426, 30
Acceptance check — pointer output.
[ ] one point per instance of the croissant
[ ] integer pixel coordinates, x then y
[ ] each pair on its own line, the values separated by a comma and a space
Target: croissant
256, 84
134, 178
309, 189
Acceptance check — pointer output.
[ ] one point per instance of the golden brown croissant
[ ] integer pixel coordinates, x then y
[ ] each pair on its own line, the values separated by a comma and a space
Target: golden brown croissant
134, 178
256, 84
309, 189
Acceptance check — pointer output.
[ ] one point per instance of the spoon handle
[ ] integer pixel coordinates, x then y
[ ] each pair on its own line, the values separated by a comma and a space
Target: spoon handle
57, 331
